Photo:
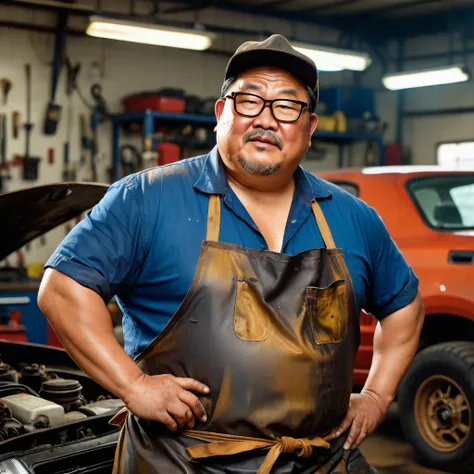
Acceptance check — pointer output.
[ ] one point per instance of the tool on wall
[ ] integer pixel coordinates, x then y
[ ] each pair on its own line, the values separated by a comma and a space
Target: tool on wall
51, 156
53, 111
15, 123
4, 165
69, 174
99, 113
30, 163
84, 139
6, 88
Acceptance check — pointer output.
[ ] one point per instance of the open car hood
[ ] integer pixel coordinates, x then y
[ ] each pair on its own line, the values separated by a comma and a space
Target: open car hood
31, 212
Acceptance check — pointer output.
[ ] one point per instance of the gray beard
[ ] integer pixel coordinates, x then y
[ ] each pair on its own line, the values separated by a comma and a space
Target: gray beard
257, 169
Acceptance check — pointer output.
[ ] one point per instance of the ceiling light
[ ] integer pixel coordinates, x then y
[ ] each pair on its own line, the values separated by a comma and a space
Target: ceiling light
334, 59
426, 77
158, 35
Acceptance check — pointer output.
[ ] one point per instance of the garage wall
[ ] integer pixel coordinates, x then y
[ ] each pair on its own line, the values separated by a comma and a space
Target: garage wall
124, 68
422, 134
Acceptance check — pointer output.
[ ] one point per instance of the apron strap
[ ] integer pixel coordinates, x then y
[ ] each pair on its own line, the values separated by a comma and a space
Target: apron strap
323, 225
214, 221
213, 218
220, 444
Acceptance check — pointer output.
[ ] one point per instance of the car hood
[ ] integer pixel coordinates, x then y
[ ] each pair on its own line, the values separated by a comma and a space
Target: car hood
31, 212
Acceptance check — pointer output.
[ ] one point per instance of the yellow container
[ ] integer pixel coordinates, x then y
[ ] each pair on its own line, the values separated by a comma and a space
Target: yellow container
34, 271
326, 123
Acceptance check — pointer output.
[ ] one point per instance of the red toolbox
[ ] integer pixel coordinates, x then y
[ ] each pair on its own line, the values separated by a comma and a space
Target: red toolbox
168, 153
159, 102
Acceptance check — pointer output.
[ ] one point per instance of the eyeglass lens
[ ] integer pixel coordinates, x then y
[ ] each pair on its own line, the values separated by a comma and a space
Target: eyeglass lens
247, 104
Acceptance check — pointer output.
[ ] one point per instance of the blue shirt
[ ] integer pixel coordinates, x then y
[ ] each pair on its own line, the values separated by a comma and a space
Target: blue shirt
142, 242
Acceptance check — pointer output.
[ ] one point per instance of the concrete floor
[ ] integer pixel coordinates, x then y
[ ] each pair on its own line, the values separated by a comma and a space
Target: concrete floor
389, 453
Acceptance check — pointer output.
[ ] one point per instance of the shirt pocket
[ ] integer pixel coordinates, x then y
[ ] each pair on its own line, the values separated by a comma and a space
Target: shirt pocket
327, 312
251, 319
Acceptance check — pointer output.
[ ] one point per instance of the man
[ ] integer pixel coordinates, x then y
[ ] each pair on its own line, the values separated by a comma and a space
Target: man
263, 269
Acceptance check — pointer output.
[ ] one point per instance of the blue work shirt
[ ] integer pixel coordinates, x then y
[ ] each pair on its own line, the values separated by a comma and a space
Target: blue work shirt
142, 241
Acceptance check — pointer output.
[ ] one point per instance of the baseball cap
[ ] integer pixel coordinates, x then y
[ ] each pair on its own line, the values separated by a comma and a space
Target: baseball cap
274, 51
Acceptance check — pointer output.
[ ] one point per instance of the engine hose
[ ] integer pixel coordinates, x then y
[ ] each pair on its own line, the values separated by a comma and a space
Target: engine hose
14, 432
8, 386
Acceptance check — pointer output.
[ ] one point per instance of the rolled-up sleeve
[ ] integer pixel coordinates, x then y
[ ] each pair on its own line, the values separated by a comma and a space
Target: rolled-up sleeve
393, 283
105, 251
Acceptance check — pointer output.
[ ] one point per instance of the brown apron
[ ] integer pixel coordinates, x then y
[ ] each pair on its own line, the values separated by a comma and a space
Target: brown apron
274, 336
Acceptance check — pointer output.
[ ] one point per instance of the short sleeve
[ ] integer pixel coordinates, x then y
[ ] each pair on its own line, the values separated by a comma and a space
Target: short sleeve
106, 249
393, 283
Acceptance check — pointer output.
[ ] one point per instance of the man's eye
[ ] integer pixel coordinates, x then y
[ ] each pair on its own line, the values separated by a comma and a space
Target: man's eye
286, 107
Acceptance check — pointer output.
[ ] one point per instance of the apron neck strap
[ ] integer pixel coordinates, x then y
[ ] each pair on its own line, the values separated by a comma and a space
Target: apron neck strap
214, 221
213, 218
323, 225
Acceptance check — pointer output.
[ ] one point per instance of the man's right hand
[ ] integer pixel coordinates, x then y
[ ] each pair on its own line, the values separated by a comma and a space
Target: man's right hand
167, 399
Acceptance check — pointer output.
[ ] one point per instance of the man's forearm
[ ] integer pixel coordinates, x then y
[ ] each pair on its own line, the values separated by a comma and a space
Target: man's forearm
396, 341
84, 326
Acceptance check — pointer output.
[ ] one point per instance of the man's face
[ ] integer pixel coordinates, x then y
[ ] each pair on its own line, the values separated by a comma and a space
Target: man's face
262, 145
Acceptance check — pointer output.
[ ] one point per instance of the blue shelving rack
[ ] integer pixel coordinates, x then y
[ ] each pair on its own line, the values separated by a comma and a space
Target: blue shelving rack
149, 117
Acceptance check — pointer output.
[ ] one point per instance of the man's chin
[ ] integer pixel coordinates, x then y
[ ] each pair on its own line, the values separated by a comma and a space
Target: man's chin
258, 167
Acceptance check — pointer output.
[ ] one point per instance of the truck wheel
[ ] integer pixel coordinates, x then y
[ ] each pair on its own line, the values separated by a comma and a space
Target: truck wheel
436, 405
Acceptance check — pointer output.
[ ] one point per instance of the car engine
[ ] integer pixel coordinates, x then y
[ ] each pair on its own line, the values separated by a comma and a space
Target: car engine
33, 397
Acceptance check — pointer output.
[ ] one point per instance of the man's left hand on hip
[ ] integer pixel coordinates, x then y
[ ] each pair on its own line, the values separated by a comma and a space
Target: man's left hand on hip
364, 415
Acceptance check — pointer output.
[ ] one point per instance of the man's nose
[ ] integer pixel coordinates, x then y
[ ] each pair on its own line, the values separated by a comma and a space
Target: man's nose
266, 119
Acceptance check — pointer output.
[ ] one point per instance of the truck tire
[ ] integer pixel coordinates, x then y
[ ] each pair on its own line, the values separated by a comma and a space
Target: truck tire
436, 405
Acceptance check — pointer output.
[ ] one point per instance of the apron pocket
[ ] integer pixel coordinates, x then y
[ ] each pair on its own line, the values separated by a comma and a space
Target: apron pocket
251, 322
327, 311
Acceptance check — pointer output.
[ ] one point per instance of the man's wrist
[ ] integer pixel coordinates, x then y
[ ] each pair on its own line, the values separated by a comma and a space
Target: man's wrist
383, 400
129, 387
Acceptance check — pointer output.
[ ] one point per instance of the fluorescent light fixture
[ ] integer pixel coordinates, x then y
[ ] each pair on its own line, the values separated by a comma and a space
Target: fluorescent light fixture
334, 59
158, 35
425, 77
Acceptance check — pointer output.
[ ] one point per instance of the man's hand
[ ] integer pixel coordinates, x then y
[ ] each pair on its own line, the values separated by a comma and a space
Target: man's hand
167, 399
366, 411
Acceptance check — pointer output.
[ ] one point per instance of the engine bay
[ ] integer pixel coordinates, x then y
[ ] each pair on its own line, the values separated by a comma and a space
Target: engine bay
48, 405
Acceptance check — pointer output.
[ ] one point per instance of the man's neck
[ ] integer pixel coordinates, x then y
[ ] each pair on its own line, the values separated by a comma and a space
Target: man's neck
262, 193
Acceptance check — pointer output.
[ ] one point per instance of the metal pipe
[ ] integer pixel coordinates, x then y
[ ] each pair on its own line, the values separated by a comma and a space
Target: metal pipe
400, 94
451, 38
422, 57
52, 5
436, 112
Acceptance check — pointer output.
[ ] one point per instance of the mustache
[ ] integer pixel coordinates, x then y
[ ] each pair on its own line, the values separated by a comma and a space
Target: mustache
261, 132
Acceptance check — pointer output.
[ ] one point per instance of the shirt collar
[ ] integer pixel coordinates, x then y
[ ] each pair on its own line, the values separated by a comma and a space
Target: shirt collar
213, 179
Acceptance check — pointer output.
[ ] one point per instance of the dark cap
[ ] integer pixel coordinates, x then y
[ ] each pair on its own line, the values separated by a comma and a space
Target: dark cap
274, 51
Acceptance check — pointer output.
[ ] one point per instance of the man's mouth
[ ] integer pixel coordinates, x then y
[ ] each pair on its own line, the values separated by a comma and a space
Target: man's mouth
263, 140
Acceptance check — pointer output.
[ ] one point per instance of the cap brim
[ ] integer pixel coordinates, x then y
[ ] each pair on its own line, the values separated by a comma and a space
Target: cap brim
258, 58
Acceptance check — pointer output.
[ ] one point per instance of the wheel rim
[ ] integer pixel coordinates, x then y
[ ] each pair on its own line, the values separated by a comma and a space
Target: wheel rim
442, 413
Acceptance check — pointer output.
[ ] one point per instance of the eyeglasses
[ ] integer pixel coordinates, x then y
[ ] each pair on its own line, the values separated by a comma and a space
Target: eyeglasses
251, 105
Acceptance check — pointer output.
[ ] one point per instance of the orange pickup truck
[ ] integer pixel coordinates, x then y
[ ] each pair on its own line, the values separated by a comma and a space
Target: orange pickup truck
429, 213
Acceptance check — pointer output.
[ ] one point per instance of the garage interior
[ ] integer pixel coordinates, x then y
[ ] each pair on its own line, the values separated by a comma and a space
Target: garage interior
77, 106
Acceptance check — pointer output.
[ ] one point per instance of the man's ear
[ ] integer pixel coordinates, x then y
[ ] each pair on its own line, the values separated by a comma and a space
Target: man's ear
218, 109
313, 123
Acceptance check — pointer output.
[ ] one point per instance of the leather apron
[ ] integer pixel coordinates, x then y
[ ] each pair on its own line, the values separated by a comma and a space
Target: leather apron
275, 337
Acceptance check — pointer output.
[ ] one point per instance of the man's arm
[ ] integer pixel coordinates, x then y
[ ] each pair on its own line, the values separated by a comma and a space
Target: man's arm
396, 341
83, 324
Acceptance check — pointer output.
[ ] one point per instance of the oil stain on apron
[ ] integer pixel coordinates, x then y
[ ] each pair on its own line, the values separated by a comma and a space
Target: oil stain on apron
274, 336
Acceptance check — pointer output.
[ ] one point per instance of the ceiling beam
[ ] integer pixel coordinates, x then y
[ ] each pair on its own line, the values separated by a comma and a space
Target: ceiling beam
54, 5
274, 3
331, 6
395, 7
264, 10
